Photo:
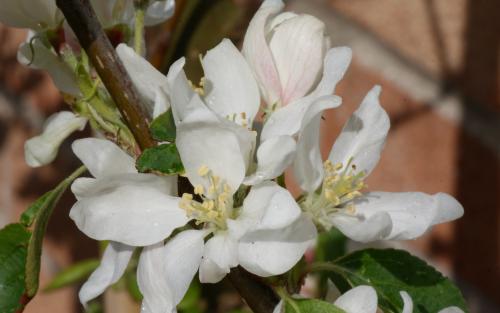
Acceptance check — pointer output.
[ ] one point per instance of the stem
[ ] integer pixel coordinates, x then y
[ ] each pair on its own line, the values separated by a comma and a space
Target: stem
259, 296
139, 30
82, 19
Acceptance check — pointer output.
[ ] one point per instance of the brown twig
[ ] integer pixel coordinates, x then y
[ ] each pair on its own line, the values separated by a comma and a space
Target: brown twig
83, 20
258, 295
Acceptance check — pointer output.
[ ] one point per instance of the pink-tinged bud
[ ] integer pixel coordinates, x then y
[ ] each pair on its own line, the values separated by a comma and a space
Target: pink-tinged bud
286, 52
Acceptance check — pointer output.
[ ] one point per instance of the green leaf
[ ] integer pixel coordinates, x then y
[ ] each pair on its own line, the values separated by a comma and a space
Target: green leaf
13, 249
391, 271
30, 213
163, 158
163, 127
73, 274
311, 306
42, 214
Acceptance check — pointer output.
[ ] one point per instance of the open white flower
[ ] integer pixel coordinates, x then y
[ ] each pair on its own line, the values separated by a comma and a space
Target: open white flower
42, 149
267, 235
293, 64
333, 190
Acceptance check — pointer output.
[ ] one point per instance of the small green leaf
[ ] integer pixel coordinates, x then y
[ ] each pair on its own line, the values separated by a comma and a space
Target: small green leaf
163, 158
391, 271
41, 218
311, 306
13, 249
73, 274
163, 127
30, 213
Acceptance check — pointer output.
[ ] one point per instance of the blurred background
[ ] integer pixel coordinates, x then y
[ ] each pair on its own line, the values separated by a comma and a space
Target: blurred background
438, 63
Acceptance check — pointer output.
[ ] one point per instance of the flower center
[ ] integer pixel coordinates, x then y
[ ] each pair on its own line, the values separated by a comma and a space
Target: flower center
216, 204
341, 185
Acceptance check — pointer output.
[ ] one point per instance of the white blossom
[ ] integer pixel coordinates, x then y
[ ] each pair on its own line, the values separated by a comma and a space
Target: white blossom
334, 189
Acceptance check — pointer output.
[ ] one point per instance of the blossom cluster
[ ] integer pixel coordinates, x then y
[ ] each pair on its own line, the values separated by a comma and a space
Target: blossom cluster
239, 212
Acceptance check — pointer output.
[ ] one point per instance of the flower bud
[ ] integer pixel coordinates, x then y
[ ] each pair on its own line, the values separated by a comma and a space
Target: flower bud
286, 52
42, 149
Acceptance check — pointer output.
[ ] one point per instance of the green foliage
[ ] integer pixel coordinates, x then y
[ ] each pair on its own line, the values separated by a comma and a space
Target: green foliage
311, 306
41, 219
30, 213
163, 127
13, 249
163, 159
391, 271
73, 274
21, 248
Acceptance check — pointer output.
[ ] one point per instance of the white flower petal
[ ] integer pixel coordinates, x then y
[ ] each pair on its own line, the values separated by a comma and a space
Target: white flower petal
30, 14
411, 213
162, 103
103, 157
135, 209
335, 65
451, 309
308, 165
268, 206
213, 146
234, 90
288, 120
273, 157
222, 250
153, 281
258, 54
297, 48
187, 105
448, 208
42, 149
363, 136
41, 57
147, 79
362, 299
407, 302
210, 272
113, 264
364, 229
273, 252
159, 11
182, 259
